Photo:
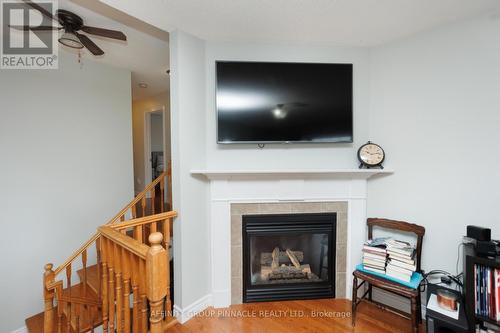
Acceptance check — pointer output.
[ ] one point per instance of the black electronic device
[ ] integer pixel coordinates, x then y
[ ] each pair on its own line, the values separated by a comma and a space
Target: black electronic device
487, 249
273, 102
478, 233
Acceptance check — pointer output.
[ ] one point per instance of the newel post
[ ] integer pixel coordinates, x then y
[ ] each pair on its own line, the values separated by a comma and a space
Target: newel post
156, 280
48, 296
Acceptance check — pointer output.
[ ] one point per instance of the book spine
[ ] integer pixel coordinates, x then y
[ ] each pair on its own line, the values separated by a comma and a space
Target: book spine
475, 290
488, 276
481, 292
492, 294
497, 293
485, 291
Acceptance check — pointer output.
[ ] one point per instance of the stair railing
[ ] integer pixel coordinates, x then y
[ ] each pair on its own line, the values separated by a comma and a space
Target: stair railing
78, 304
132, 267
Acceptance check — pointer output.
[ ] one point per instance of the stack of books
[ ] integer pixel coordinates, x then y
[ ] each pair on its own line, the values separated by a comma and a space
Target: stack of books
401, 260
487, 292
375, 255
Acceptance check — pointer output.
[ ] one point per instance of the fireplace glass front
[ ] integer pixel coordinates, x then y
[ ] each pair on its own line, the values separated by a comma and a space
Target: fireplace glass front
288, 256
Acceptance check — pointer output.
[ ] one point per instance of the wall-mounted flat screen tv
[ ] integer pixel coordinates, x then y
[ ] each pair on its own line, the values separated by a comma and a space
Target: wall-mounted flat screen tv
265, 102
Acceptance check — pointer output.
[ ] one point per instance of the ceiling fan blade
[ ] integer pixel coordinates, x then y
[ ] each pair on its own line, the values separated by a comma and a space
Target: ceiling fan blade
104, 32
90, 45
39, 28
42, 10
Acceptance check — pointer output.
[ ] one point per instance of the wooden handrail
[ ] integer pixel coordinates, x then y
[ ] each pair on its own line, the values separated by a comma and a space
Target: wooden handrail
144, 220
138, 197
128, 243
150, 264
76, 254
87, 244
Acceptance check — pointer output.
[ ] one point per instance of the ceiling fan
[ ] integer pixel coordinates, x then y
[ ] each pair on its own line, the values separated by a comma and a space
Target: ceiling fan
71, 24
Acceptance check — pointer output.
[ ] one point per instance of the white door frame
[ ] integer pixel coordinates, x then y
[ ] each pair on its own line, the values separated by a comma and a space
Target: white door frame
148, 171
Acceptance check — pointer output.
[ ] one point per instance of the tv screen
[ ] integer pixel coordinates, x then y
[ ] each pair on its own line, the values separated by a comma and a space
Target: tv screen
264, 102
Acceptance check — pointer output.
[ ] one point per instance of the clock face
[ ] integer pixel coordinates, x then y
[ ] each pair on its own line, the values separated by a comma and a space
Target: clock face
371, 154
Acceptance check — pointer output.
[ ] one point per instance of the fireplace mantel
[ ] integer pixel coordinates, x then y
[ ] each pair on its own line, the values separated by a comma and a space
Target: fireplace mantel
262, 190
290, 173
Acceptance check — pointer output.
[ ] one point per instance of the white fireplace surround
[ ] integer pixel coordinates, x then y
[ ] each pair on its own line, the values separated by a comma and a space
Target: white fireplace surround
266, 186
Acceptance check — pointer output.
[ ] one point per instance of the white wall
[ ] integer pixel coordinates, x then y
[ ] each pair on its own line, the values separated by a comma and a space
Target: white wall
435, 108
66, 167
191, 245
249, 156
139, 108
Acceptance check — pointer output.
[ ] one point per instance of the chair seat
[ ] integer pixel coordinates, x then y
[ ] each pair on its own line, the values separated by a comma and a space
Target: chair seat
385, 284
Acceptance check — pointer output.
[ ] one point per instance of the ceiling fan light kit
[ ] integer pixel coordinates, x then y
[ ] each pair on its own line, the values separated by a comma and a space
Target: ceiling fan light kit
69, 39
72, 24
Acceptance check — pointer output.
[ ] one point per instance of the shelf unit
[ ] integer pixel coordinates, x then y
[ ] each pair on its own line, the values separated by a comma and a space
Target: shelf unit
470, 289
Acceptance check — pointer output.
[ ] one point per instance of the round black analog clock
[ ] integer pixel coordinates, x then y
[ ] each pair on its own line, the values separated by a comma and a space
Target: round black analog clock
371, 155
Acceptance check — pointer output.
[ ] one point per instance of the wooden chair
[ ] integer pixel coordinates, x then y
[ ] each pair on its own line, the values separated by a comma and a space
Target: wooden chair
385, 284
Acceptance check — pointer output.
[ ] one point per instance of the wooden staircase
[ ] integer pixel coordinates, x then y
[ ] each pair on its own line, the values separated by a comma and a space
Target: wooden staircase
126, 288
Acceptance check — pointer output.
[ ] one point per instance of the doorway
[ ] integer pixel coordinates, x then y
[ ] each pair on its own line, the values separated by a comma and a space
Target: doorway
155, 161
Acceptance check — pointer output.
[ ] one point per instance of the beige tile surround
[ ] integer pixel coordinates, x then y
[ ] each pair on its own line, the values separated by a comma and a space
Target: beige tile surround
240, 209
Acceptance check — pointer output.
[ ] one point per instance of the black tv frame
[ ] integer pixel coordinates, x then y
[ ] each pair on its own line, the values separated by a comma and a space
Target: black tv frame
283, 142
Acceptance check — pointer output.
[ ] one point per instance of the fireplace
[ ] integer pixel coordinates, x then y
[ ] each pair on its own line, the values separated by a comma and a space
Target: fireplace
288, 256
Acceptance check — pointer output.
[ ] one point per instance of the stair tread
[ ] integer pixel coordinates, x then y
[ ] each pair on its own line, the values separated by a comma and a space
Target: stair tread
85, 321
34, 324
92, 278
171, 321
78, 290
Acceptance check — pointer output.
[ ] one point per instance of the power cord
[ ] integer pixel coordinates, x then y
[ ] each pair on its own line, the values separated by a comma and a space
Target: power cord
438, 272
445, 276
458, 256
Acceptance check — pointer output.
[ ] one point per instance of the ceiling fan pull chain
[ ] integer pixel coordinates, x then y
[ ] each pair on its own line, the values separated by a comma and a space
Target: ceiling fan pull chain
80, 59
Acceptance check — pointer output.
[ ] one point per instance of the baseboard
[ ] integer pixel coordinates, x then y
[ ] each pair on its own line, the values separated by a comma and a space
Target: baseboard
221, 298
23, 329
183, 315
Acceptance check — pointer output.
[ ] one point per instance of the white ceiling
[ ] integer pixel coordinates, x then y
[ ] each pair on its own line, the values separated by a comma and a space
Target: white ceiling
341, 22
145, 53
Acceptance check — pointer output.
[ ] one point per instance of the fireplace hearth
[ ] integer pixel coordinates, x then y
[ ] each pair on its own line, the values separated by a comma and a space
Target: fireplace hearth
288, 256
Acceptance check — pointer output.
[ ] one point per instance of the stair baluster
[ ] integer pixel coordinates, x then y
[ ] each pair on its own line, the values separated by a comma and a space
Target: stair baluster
77, 323
84, 265
162, 195
99, 267
111, 295
153, 200
166, 237
69, 308
144, 301
119, 301
126, 290
103, 293
143, 206
135, 292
